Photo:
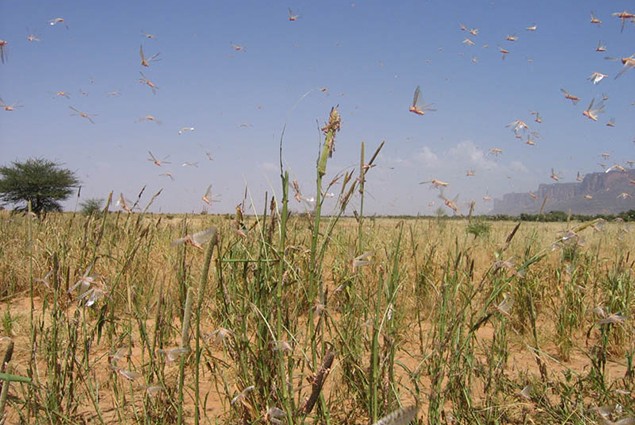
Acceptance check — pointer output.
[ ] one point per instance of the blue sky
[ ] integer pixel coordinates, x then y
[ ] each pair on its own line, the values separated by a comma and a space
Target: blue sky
369, 55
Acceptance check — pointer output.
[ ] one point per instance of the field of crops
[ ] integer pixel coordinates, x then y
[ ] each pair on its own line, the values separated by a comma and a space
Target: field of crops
276, 318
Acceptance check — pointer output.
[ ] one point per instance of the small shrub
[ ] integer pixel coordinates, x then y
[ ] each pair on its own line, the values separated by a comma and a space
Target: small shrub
478, 228
92, 206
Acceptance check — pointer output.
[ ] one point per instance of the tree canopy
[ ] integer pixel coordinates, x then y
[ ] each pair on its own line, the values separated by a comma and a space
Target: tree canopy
40, 181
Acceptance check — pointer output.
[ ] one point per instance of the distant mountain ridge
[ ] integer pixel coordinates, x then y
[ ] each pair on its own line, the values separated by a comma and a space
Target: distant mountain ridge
597, 193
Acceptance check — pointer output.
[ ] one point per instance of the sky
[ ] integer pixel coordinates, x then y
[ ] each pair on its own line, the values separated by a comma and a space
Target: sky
241, 72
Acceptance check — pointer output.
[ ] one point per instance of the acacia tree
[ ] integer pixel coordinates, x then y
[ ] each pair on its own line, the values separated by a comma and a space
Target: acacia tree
40, 181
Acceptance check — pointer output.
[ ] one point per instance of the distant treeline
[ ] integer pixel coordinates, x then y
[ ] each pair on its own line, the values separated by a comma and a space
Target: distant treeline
562, 216
552, 216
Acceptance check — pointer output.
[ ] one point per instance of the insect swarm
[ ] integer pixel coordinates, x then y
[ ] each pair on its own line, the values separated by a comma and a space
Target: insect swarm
574, 99
197, 239
418, 107
628, 62
149, 83
32, 37
84, 115
56, 21
7, 107
145, 61
596, 77
207, 197
601, 47
156, 161
624, 17
591, 113
149, 118
3, 50
436, 183
293, 16
184, 130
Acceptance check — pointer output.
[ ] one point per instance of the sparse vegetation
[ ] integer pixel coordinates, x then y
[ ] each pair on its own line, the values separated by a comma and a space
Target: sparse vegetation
92, 206
478, 228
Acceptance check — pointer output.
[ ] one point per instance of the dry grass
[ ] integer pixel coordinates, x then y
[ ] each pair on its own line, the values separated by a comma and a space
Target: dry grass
404, 328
